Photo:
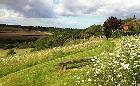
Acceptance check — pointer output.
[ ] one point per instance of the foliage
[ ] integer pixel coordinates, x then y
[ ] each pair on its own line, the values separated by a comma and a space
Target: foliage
117, 34
63, 35
59, 38
135, 30
11, 52
9, 46
96, 30
127, 20
110, 25
50, 41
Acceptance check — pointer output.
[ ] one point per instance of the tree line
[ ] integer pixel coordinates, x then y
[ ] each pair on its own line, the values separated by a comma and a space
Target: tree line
112, 28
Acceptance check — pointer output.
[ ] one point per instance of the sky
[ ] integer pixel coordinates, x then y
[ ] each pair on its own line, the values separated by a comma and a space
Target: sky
65, 13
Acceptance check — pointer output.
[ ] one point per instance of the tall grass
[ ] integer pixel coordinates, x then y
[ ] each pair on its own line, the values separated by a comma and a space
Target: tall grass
117, 64
18, 62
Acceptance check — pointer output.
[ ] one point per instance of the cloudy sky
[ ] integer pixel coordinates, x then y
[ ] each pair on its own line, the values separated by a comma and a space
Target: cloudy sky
65, 13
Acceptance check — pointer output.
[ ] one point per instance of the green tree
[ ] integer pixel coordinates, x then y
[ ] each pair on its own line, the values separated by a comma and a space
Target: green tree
95, 30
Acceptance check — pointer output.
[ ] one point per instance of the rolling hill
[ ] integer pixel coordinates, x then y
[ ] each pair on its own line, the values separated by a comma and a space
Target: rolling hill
93, 62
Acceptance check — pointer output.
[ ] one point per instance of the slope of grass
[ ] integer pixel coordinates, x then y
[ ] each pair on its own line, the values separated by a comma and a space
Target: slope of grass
21, 61
3, 53
117, 63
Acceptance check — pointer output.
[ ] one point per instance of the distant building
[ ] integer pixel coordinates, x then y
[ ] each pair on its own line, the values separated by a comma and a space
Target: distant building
131, 23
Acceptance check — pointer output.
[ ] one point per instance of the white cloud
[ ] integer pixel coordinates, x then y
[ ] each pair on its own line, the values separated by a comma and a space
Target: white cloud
29, 8
99, 7
77, 7
82, 9
46, 8
4, 13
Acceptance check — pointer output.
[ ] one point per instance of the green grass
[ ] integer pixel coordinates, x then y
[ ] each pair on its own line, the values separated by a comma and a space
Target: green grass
23, 51
42, 68
3, 53
18, 62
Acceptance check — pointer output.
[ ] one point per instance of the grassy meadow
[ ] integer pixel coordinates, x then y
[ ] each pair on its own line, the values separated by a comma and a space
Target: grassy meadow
114, 62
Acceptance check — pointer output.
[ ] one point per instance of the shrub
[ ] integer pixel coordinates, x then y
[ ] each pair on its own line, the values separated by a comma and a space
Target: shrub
117, 33
9, 46
11, 52
110, 25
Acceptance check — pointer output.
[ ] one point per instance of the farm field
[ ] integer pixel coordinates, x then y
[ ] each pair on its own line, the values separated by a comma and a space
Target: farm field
22, 35
94, 62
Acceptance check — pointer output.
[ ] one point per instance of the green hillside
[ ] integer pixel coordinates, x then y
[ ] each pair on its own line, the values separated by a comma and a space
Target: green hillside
93, 62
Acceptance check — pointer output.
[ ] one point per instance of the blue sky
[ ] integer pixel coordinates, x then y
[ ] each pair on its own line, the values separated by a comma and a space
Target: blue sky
65, 13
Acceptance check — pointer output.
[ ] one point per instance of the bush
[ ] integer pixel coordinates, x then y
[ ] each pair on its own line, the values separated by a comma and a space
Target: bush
9, 46
117, 33
11, 52
110, 25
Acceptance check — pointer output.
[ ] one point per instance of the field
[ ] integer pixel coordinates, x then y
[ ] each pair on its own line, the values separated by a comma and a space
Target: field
22, 35
113, 62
